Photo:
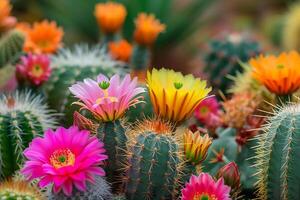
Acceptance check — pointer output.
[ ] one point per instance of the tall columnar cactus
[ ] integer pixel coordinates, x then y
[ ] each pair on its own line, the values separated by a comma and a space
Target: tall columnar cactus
100, 190
154, 162
277, 155
11, 46
74, 65
22, 117
223, 58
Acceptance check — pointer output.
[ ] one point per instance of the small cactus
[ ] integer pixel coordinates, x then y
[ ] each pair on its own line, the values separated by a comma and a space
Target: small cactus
11, 46
71, 66
100, 190
277, 156
22, 117
140, 59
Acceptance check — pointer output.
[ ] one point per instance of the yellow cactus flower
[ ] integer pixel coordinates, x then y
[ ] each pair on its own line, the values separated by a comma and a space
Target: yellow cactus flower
175, 96
196, 146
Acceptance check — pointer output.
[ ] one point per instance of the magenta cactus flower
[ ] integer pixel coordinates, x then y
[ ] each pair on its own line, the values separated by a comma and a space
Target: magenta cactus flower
107, 99
64, 158
205, 187
34, 68
206, 108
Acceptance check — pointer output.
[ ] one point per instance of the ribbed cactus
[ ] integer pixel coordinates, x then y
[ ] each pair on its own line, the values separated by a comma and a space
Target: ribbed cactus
154, 164
223, 58
278, 152
114, 138
11, 46
100, 190
75, 65
22, 117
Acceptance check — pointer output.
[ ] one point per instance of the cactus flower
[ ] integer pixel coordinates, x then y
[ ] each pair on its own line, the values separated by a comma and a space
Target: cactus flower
6, 21
34, 68
84, 123
64, 158
196, 146
204, 187
147, 29
43, 37
280, 75
230, 174
206, 108
107, 99
110, 16
173, 95
120, 50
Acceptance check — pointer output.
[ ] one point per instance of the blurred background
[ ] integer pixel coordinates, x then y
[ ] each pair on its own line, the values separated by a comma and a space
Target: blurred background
191, 24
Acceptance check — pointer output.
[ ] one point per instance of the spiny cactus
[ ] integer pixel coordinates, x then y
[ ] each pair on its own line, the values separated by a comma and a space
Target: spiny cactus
114, 138
277, 155
100, 190
22, 117
119, 197
223, 59
11, 46
154, 162
75, 65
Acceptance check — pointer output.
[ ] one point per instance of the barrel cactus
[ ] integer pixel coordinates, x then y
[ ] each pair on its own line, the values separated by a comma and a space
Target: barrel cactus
11, 46
72, 65
223, 58
22, 117
277, 155
100, 190
154, 162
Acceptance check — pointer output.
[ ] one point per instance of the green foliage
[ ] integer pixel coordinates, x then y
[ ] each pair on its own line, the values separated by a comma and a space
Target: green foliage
11, 46
75, 65
222, 59
232, 152
153, 166
114, 138
277, 156
100, 190
22, 117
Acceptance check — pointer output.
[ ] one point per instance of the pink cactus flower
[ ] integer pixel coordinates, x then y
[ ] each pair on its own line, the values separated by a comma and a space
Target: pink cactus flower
207, 107
107, 99
34, 68
64, 158
204, 187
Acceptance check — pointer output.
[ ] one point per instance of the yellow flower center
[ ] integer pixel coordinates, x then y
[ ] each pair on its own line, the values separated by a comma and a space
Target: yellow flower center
37, 71
204, 110
280, 66
43, 43
204, 196
62, 158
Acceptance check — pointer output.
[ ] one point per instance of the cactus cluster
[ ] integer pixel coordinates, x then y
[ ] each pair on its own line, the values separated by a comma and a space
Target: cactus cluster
72, 65
23, 116
222, 59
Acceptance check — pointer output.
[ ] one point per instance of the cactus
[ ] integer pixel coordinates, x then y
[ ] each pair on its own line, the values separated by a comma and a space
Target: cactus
119, 197
223, 59
277, 156
154, 163
75, 65
22, 117
11, 46
100, 190
114, 138
140, 59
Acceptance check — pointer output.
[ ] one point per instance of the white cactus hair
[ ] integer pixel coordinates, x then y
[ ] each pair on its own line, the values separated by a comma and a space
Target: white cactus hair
27, 101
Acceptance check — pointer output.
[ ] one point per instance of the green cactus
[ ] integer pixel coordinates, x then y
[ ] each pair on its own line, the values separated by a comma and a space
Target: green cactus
100, 190
113, 136
119, 197
223, 58
277, 156
140, 59
75, 65
154, 165
11, 46
22, 117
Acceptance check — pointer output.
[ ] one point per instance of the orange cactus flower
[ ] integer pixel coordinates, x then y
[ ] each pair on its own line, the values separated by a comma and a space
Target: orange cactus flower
120, 50
43, 37
110, 16
281, 74
6, 21
24, 27
147, 29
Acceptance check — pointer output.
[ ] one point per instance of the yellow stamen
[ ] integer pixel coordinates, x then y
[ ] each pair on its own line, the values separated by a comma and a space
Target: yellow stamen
62, 158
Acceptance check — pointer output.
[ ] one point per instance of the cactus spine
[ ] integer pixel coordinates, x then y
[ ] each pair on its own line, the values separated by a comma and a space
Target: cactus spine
154, 165
278, 156
114, 138
11, 46
22, 117
100, 190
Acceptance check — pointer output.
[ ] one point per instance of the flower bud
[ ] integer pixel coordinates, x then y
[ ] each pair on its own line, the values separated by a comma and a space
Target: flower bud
230, 174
